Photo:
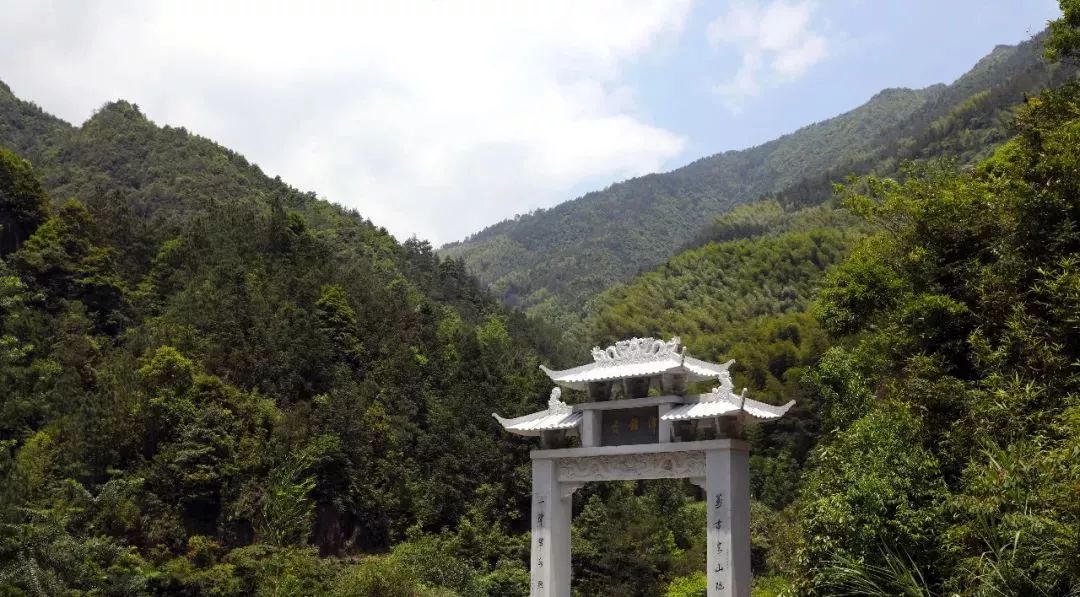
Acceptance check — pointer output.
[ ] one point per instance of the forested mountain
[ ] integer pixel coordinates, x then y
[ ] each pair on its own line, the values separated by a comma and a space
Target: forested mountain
216, 384
556, 260
212, 383
209, 378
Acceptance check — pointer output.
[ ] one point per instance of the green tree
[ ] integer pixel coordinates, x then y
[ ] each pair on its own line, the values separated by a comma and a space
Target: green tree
287, 510
64, 259
1064, 40
23, 202
873, 489
337, 322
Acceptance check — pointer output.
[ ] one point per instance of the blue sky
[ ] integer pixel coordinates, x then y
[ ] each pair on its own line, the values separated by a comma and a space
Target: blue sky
871, 45
438, 118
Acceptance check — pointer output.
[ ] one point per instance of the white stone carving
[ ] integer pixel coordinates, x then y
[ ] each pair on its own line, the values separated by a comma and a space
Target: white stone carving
724, 402
558, 415
629, 467
637, 358
556, 406
726, 385
636, 350
725, 391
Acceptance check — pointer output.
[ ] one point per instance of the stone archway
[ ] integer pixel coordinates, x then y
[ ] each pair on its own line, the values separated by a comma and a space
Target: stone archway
719, 466
641, 424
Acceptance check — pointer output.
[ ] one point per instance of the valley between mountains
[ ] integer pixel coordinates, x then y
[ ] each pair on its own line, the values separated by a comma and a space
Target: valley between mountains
214, 383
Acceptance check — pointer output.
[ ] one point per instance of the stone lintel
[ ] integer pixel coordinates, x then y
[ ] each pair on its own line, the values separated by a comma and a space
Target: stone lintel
631, 467
640, 402
736, 445
686, 460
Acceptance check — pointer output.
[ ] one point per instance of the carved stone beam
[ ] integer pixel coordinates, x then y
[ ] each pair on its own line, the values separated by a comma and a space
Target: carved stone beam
632, 467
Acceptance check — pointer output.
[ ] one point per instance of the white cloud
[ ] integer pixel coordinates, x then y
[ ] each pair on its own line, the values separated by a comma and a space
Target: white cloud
777, 43
433, 118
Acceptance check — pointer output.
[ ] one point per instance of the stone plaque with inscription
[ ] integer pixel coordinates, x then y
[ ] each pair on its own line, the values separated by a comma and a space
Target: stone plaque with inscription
629, 426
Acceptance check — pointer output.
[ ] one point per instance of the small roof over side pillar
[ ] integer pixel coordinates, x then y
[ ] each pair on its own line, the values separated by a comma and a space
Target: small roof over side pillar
722, 401
558, 416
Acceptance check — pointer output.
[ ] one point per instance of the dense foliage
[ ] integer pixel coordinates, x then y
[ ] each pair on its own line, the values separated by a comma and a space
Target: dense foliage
959, 321
210, 380
769, 264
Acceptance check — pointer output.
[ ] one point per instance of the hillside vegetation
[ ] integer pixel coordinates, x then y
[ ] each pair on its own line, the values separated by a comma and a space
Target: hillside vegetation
951, 398
926, 325
217, 384
210, 379
212, 383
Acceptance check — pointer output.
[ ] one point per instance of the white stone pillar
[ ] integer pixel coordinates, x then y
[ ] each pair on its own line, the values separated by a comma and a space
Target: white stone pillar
664, 427
727, 489
551, 511
590, 428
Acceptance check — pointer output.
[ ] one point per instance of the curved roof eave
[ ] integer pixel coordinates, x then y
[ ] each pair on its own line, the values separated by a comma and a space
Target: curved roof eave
726, 407
532, 424
579, 377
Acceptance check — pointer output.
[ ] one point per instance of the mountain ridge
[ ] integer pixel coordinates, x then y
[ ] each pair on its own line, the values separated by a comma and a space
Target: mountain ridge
887, 93
557, 260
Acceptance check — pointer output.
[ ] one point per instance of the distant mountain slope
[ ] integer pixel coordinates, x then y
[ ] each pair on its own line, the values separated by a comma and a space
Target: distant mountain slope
162, 172
578, 248
562, 257
768, 264
26, 128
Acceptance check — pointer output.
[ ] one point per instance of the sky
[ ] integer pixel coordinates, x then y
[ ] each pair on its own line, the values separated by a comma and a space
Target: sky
438, 118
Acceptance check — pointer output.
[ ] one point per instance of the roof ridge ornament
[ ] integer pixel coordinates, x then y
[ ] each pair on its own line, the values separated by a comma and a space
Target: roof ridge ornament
724, 391
558, 416
637, 358
726, 385
637, 350
557, 406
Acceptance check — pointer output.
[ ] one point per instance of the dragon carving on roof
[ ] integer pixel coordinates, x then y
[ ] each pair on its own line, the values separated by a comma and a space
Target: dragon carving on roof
637, 349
